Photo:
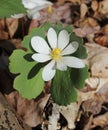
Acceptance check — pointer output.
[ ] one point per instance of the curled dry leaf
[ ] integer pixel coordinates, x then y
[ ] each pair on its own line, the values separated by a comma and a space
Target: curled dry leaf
3, 33
29, 110
101, 120
102, 40
96, 83
9, 120
94, 5
83, 10
104, 30
86, 31
100, 96
12, 25
70, 113
92, 106
103, 7
99, 65
103, 92
93, 82
97, 62
88, 22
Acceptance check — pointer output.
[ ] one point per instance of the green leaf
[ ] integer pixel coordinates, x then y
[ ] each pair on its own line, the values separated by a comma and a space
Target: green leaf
79, 76
62, 90
17, 62
28, 87
81, 52
11, 7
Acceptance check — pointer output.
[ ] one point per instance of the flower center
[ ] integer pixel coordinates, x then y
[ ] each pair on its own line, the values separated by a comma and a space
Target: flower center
56, 54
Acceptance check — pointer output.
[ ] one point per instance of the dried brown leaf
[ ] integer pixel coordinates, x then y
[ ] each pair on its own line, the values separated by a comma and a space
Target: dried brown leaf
92, 106
94, 5
103, 7
104, 30
12, 25
3, 33
9, 120
88, 22
102, 40
86, 30
70, 113
97, 62
101, 120
103, 92
29, 110
83, 10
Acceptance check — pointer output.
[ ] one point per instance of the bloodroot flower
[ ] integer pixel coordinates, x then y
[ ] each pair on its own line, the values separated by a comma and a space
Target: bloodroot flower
33, 7
57, 51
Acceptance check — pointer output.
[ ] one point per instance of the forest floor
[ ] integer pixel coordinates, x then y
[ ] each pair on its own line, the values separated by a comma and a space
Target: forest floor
89, 19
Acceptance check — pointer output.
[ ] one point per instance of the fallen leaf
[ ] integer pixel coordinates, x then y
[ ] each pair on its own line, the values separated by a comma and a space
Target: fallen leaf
97, 62
104, 30
30, 110
12, 25
86, 30
3, 33
94, 5
101, 120
83, 10
103, 7
70, 113
102, 40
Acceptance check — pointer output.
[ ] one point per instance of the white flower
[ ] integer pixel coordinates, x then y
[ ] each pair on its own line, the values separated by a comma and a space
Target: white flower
57, 53
33, 7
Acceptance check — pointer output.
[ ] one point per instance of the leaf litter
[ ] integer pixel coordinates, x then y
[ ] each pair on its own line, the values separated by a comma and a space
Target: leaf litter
90, 112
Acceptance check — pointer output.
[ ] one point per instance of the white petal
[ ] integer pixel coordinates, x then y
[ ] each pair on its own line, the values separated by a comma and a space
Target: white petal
40, 45
71, 48
33, 14
16, 16
52, 38
75, 45
73, 62
49, 71
28, 4
41, 57
63, 39
61, 66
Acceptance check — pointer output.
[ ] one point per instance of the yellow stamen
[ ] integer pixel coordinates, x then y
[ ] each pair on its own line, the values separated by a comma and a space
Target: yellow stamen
50, 10
56, 54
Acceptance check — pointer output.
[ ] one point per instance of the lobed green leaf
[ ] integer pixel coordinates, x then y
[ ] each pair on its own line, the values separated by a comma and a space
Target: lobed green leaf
62, 90
28, 87
78, 76
10, 7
